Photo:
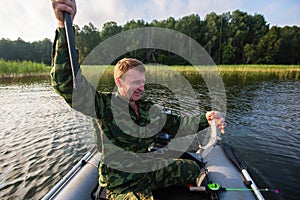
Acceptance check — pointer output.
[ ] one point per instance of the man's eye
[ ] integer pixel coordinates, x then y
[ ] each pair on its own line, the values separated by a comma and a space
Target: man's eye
138, 82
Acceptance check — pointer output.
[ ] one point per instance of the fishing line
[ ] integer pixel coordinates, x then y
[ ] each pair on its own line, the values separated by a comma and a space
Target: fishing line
247, 189
218, 187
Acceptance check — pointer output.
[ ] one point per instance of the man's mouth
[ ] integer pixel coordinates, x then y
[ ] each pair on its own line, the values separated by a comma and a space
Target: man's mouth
137, 93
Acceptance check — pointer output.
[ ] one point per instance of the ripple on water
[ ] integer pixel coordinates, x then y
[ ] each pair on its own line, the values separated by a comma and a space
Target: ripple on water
39, 144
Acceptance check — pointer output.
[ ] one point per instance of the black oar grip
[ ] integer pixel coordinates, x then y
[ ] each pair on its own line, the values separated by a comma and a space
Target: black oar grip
71, 45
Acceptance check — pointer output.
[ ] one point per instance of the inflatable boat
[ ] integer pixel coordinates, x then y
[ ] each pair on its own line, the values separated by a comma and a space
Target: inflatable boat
225, 178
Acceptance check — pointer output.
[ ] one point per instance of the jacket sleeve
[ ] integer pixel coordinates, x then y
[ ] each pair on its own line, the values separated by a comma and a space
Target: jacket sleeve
84, 97
185, 125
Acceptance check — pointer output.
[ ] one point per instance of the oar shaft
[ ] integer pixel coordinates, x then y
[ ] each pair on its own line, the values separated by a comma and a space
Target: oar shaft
233, 156
253, 185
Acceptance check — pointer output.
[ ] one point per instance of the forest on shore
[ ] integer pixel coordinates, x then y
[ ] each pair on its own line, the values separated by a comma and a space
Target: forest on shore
230, 38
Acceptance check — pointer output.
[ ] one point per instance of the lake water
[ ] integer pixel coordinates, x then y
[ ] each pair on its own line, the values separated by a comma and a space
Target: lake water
42, 138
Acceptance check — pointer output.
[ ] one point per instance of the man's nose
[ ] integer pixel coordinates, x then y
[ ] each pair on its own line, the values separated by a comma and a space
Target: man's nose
142, 87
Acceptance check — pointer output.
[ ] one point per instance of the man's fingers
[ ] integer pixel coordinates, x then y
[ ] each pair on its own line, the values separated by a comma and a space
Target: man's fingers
220, 122
64, 5
60, 6
221, 125
210, 115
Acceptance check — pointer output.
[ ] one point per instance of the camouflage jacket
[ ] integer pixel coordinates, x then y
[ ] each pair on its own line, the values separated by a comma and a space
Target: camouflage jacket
124, 137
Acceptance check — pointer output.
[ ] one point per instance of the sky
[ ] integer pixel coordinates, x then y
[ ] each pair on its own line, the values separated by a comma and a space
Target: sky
33, 20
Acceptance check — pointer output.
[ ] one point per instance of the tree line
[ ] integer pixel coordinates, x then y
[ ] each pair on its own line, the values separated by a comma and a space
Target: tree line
19, 50
230, 38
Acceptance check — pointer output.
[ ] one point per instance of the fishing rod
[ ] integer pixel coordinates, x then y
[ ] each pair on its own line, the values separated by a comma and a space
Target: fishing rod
217, 187
72, 49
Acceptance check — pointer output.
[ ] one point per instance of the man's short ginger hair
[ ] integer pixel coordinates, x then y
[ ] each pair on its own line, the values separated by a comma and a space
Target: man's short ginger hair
126, 64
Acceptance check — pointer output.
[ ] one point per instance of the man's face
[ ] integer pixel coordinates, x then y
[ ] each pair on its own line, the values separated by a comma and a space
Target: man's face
131, 84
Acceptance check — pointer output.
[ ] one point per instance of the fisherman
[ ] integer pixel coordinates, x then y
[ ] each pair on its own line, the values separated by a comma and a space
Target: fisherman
118, 174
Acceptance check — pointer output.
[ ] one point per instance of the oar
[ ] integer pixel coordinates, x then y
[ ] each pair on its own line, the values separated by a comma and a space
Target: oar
72, 48
232, 155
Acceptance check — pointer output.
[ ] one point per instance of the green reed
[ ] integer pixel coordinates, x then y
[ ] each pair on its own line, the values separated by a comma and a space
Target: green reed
260, 72
241, 72
22, 68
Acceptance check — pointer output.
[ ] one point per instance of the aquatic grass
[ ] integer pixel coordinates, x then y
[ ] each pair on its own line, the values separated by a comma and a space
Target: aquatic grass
251, 72
242, 72
28, 68
11, 69
94, 73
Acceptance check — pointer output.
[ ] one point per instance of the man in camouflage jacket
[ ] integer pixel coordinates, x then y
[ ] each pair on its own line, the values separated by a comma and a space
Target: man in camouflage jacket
128, 125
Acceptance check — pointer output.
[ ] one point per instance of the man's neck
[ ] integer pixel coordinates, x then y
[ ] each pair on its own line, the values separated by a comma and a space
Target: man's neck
134, 106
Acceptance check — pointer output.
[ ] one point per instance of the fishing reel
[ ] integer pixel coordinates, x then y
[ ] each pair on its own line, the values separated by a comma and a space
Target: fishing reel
161, 141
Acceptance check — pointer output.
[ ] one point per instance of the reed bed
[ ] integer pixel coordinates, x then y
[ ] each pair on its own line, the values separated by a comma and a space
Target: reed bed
244, 72
12, 69
279, 71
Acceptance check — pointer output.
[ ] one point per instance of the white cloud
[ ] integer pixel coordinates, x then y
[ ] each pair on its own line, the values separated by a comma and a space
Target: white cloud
34, 20
205, 7
29, 20
162, 9
100, 11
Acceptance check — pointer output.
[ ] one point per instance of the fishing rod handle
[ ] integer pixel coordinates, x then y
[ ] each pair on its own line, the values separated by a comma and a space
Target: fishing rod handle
198, 189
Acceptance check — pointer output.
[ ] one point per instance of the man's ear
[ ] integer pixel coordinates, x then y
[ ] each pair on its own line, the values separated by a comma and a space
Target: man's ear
118, 82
